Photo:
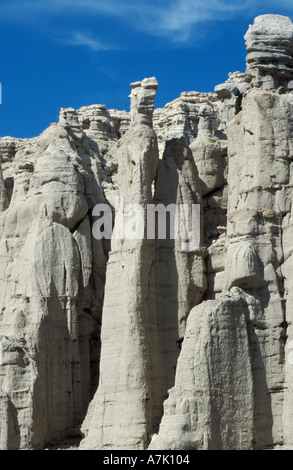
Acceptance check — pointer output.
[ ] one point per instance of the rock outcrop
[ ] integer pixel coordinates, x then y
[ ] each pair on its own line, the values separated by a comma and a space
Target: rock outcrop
206, 409
142, 340
128, 368
47, 259
269, 43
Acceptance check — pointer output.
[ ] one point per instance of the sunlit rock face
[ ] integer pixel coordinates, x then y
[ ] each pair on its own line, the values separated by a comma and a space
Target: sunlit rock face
154, 342
269, 43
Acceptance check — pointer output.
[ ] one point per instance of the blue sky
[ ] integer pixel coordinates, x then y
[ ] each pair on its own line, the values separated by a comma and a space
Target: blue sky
61, 53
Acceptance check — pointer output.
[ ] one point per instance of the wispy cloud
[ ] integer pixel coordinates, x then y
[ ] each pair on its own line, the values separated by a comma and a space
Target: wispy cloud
178, 19
79, 38
173, 20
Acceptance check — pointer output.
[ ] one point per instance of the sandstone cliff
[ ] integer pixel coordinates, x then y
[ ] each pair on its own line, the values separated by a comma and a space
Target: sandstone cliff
150, 342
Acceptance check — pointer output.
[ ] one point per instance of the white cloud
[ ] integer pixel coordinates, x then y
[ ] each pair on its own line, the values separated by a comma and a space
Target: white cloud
79, 38
182, 15
173, 20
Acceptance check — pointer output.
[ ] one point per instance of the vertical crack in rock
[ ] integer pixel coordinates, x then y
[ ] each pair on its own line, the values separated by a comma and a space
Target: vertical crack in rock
180, 272
209, 150
3, 194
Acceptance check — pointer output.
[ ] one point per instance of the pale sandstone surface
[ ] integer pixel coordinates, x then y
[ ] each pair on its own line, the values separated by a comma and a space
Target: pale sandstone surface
154, 343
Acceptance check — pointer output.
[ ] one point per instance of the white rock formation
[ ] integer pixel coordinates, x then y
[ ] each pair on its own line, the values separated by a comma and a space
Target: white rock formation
154, 342
269, 43
211, 405
47, 258
258, 214
129, 318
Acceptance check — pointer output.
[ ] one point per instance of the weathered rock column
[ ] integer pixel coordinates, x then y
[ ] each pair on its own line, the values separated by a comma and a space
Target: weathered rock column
211, 404
269, 43
126, 407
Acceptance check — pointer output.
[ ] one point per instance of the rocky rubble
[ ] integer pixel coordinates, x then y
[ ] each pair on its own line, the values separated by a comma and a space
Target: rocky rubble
150, 342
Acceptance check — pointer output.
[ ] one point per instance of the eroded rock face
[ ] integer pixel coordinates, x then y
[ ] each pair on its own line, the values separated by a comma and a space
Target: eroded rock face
154, 342
126, 357
214, 373
259, 178
47, 259
269, 43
